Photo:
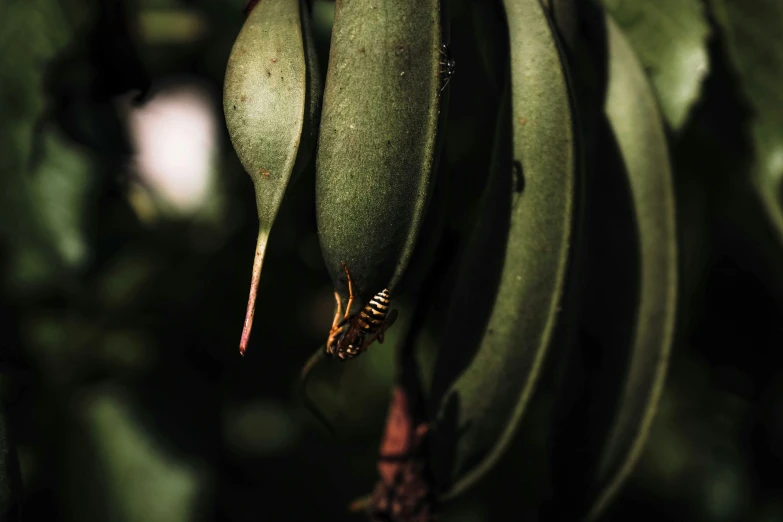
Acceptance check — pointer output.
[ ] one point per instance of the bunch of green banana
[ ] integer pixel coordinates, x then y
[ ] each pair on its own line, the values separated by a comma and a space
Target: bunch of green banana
505, 258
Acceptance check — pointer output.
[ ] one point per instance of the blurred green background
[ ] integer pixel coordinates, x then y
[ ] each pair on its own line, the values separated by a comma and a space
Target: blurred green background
128, 228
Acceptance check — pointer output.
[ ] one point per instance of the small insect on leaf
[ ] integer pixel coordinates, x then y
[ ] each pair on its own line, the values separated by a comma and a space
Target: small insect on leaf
449, 65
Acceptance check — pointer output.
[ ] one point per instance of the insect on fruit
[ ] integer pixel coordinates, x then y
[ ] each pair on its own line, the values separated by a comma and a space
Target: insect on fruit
352, 334
349, 337
449, 65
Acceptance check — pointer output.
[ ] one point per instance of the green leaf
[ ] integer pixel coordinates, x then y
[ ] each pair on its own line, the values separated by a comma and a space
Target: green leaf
516, 267
670, 38
121, 468
376, 152
751, 34
271, 101
650, 290
39, 31
59, 188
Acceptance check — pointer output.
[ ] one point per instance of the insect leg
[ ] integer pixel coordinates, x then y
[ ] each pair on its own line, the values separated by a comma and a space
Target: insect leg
447, 64
350, 291
335, 323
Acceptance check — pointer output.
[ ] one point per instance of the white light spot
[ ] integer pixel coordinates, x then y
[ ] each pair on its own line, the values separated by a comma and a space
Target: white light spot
175, 140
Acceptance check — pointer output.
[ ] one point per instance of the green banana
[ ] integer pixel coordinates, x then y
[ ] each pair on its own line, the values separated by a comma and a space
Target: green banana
518, 261
378, 136
637, 126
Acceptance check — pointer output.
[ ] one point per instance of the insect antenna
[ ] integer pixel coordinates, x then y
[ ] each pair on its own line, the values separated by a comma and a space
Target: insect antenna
317, 357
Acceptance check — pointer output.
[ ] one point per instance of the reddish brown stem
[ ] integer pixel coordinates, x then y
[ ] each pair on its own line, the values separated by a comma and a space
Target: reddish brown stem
405, 489
263, 235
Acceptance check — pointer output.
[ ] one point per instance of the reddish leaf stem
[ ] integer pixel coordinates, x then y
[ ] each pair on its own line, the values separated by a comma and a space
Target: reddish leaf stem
251, 301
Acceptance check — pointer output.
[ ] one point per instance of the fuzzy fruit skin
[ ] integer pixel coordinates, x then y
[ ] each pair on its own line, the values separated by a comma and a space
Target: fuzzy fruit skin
271, 99
376, 150
271, 102
511, 303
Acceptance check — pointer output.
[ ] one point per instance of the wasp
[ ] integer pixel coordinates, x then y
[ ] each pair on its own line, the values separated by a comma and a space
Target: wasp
449, 66
351, 335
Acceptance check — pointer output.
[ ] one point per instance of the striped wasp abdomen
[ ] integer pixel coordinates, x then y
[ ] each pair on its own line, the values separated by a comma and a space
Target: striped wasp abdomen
351, 335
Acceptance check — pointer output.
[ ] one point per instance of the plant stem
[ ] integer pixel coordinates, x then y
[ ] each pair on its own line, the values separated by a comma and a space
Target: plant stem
263, 236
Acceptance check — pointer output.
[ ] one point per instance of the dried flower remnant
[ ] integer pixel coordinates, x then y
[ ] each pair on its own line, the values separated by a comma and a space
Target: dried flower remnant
404, 492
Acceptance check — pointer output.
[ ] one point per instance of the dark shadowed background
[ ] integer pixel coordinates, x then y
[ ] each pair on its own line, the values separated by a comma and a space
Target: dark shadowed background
128, 227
